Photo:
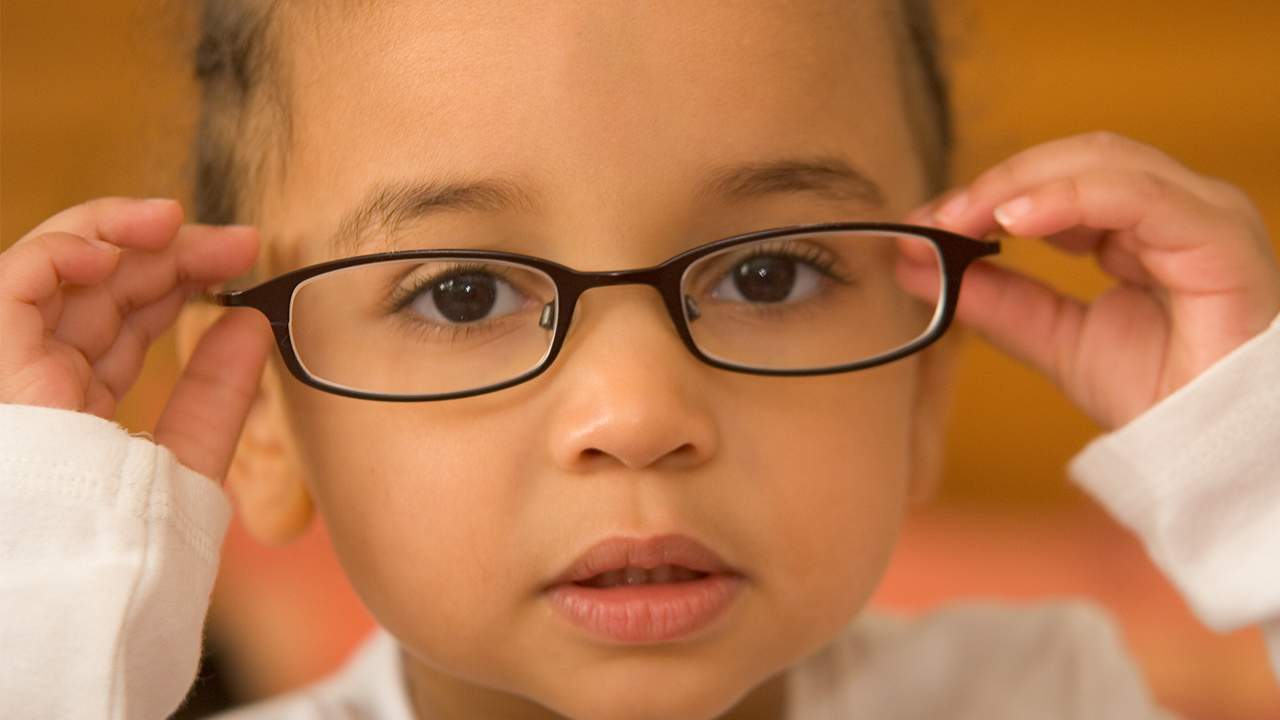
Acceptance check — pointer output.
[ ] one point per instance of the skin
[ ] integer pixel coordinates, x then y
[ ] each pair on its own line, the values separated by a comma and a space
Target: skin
627, 435
450, 517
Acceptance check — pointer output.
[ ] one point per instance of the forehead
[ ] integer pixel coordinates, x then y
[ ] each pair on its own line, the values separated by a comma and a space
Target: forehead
591, 103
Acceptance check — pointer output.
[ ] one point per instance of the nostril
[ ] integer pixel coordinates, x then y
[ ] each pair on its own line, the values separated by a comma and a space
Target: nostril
592, 455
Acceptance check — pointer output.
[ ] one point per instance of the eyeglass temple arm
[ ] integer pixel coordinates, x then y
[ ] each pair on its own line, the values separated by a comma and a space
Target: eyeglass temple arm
221, 298
262, 298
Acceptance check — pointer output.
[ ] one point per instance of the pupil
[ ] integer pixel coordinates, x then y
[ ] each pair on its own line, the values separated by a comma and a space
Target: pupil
465, 298
765, 279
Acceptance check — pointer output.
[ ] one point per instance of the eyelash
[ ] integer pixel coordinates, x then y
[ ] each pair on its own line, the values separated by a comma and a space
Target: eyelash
815, 256
402, 296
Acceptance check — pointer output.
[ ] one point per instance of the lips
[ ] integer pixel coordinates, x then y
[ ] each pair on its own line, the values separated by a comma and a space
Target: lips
632, 575
654, 590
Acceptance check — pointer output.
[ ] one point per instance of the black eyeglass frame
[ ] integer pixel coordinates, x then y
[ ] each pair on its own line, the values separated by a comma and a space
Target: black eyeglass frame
274, 298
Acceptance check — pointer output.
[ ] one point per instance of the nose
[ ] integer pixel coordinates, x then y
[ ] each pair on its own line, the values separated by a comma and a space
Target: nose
630, 393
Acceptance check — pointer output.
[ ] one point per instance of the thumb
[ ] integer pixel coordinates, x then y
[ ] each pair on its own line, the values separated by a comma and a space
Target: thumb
202, 421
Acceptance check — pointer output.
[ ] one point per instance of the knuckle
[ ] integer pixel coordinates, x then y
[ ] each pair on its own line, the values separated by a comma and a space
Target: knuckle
24, 254
1107, 144
103, 204
1003, 175
44, 243
1008, 173
1146, 187
1233, 198
1071, 190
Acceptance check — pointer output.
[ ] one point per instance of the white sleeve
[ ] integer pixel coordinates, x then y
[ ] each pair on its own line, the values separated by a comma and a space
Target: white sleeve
108, 552
1197, 477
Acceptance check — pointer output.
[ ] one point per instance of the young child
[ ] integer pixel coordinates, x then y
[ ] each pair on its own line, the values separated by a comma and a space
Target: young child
603, 511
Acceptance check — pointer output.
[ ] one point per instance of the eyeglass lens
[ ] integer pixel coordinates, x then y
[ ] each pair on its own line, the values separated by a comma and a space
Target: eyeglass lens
439, 326
807, 302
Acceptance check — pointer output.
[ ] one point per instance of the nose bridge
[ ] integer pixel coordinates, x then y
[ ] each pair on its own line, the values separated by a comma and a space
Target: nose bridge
630, 304
629, 392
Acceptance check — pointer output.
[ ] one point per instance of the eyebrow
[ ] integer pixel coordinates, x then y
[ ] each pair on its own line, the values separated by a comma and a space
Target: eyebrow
392, 206
829, 177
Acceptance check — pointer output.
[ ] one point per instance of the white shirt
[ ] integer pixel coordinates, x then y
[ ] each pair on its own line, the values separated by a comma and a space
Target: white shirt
108, 551
969, 662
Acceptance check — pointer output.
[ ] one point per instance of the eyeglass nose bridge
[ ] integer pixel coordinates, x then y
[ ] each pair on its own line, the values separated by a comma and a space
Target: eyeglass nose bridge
663, 278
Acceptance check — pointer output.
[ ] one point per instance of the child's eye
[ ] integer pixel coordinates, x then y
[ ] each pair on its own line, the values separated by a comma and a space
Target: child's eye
773, 276
461, 295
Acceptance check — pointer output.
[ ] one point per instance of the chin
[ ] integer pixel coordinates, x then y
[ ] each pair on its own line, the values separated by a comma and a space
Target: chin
648, 695
657, 705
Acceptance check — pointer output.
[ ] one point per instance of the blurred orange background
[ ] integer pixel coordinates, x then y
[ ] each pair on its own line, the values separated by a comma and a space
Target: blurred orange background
95, 100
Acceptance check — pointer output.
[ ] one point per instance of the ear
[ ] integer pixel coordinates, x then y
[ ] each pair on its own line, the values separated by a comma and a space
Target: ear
933, 404
266, 481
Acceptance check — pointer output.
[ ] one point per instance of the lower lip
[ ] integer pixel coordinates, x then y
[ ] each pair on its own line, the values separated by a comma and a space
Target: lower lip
636, 614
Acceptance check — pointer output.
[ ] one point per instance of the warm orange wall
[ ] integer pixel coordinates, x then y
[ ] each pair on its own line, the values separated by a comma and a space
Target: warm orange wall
92, 102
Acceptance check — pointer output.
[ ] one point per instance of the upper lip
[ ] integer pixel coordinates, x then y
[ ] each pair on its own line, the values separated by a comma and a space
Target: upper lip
622, 552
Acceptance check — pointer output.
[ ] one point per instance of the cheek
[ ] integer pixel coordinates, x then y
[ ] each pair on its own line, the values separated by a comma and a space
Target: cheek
830, 482
418, 502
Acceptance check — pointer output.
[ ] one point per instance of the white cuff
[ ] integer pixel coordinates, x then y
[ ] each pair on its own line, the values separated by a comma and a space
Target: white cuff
1197, 477
108, 552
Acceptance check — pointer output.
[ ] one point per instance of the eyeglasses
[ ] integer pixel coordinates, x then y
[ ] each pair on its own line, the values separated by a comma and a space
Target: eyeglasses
440, 324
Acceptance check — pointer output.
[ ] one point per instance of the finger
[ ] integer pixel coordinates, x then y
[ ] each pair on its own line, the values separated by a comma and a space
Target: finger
925, 214
124, 222
37, 265
197, 257
918, 271
207, 254
1186, 264
1066, 340
1023, 317
31, 276
67, 288
202, 421
971, 210
1146, 227
1019, 315
60, 378
118, 368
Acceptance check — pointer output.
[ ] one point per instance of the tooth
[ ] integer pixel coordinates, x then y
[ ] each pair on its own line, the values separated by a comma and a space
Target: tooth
661, 574
636, 576
609, 578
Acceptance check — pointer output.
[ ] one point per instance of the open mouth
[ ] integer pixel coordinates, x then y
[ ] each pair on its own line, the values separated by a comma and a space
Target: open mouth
629, 576
638, 591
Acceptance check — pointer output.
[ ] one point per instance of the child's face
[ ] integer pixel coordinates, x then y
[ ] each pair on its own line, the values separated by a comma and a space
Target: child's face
612, 129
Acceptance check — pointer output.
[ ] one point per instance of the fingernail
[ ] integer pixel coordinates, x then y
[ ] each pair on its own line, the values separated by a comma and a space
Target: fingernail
953, 207
159, 201
1013, 211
